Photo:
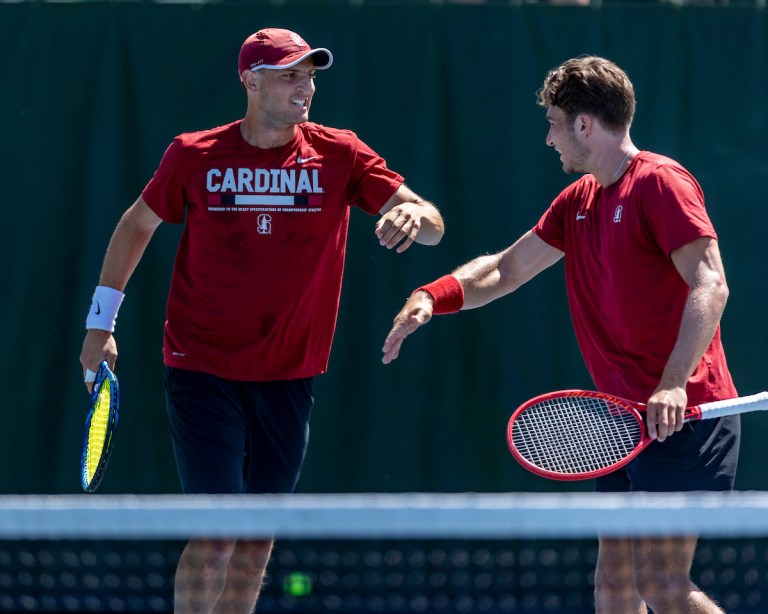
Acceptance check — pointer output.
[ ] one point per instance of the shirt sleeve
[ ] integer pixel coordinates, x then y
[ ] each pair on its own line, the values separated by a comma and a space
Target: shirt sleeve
673, 205
165, 191
371, 183
550, 226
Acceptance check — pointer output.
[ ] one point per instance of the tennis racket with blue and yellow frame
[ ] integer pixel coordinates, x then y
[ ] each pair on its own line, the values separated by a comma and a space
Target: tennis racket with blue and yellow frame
100, 426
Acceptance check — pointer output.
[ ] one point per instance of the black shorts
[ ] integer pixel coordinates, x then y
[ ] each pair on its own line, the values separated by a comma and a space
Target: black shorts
702, 456
232, 437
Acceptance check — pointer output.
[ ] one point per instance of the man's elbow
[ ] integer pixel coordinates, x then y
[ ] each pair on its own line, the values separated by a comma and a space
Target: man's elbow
431, 233
724, 292
719, 292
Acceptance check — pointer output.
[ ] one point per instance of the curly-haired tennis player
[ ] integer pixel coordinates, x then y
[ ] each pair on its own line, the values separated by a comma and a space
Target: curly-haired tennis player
646, 289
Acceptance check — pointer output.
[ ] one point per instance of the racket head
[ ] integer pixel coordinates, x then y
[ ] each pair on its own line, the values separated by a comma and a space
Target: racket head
576, 434
100, 426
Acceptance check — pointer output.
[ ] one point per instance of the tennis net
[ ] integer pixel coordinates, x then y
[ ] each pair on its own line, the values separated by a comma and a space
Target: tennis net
417, 552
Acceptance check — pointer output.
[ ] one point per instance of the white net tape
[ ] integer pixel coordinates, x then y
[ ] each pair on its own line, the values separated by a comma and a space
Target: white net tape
387, 516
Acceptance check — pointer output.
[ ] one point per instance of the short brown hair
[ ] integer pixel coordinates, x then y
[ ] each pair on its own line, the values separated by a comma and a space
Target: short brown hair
590, 84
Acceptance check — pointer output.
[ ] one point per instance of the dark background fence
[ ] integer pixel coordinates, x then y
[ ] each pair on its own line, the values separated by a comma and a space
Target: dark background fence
92, 93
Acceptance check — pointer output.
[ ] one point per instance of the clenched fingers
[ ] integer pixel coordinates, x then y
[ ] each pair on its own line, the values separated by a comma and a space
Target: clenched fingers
398, 228
665, 413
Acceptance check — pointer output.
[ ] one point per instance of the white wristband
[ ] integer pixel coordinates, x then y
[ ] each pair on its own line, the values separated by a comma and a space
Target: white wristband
104, 308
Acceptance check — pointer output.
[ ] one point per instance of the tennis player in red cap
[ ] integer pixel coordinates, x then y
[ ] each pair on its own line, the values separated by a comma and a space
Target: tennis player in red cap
254, 293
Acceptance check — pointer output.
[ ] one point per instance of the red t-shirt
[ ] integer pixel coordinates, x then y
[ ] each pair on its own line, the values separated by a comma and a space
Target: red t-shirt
256, 283
625, 294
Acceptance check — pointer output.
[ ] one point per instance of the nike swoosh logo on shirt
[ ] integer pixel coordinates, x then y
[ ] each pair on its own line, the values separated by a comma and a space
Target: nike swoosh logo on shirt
300, 160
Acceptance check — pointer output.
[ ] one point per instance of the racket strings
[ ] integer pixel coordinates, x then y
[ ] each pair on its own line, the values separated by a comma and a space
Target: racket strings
575, 435
99, 430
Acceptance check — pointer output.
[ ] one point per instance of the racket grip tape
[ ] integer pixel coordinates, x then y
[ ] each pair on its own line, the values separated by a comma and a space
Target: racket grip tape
729, 407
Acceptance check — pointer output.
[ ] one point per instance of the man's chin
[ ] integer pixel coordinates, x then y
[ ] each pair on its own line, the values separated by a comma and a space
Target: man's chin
570, 170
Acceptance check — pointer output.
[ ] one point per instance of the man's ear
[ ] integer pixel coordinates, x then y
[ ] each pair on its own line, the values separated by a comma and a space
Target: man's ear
583, 124
249, 80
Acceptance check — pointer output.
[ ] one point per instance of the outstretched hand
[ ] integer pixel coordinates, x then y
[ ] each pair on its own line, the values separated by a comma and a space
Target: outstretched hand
416, 312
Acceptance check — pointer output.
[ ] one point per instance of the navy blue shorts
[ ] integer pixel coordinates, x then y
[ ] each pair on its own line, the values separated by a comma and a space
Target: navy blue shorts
232, 437
702, 456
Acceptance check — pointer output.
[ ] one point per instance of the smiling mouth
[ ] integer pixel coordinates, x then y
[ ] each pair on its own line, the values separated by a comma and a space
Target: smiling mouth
299, 102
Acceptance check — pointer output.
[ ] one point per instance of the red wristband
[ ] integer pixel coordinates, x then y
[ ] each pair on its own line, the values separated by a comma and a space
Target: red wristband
447, 294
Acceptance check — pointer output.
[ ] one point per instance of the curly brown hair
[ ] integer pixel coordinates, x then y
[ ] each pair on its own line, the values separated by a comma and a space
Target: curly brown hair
590, 84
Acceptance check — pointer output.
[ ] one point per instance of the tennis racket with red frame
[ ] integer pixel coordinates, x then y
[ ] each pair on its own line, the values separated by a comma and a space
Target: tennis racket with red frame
579, 434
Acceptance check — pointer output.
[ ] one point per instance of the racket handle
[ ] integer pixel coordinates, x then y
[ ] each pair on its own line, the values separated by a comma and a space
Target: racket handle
729, 407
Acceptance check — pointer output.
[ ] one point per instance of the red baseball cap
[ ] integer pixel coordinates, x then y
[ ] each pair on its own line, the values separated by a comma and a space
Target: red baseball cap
276, 48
